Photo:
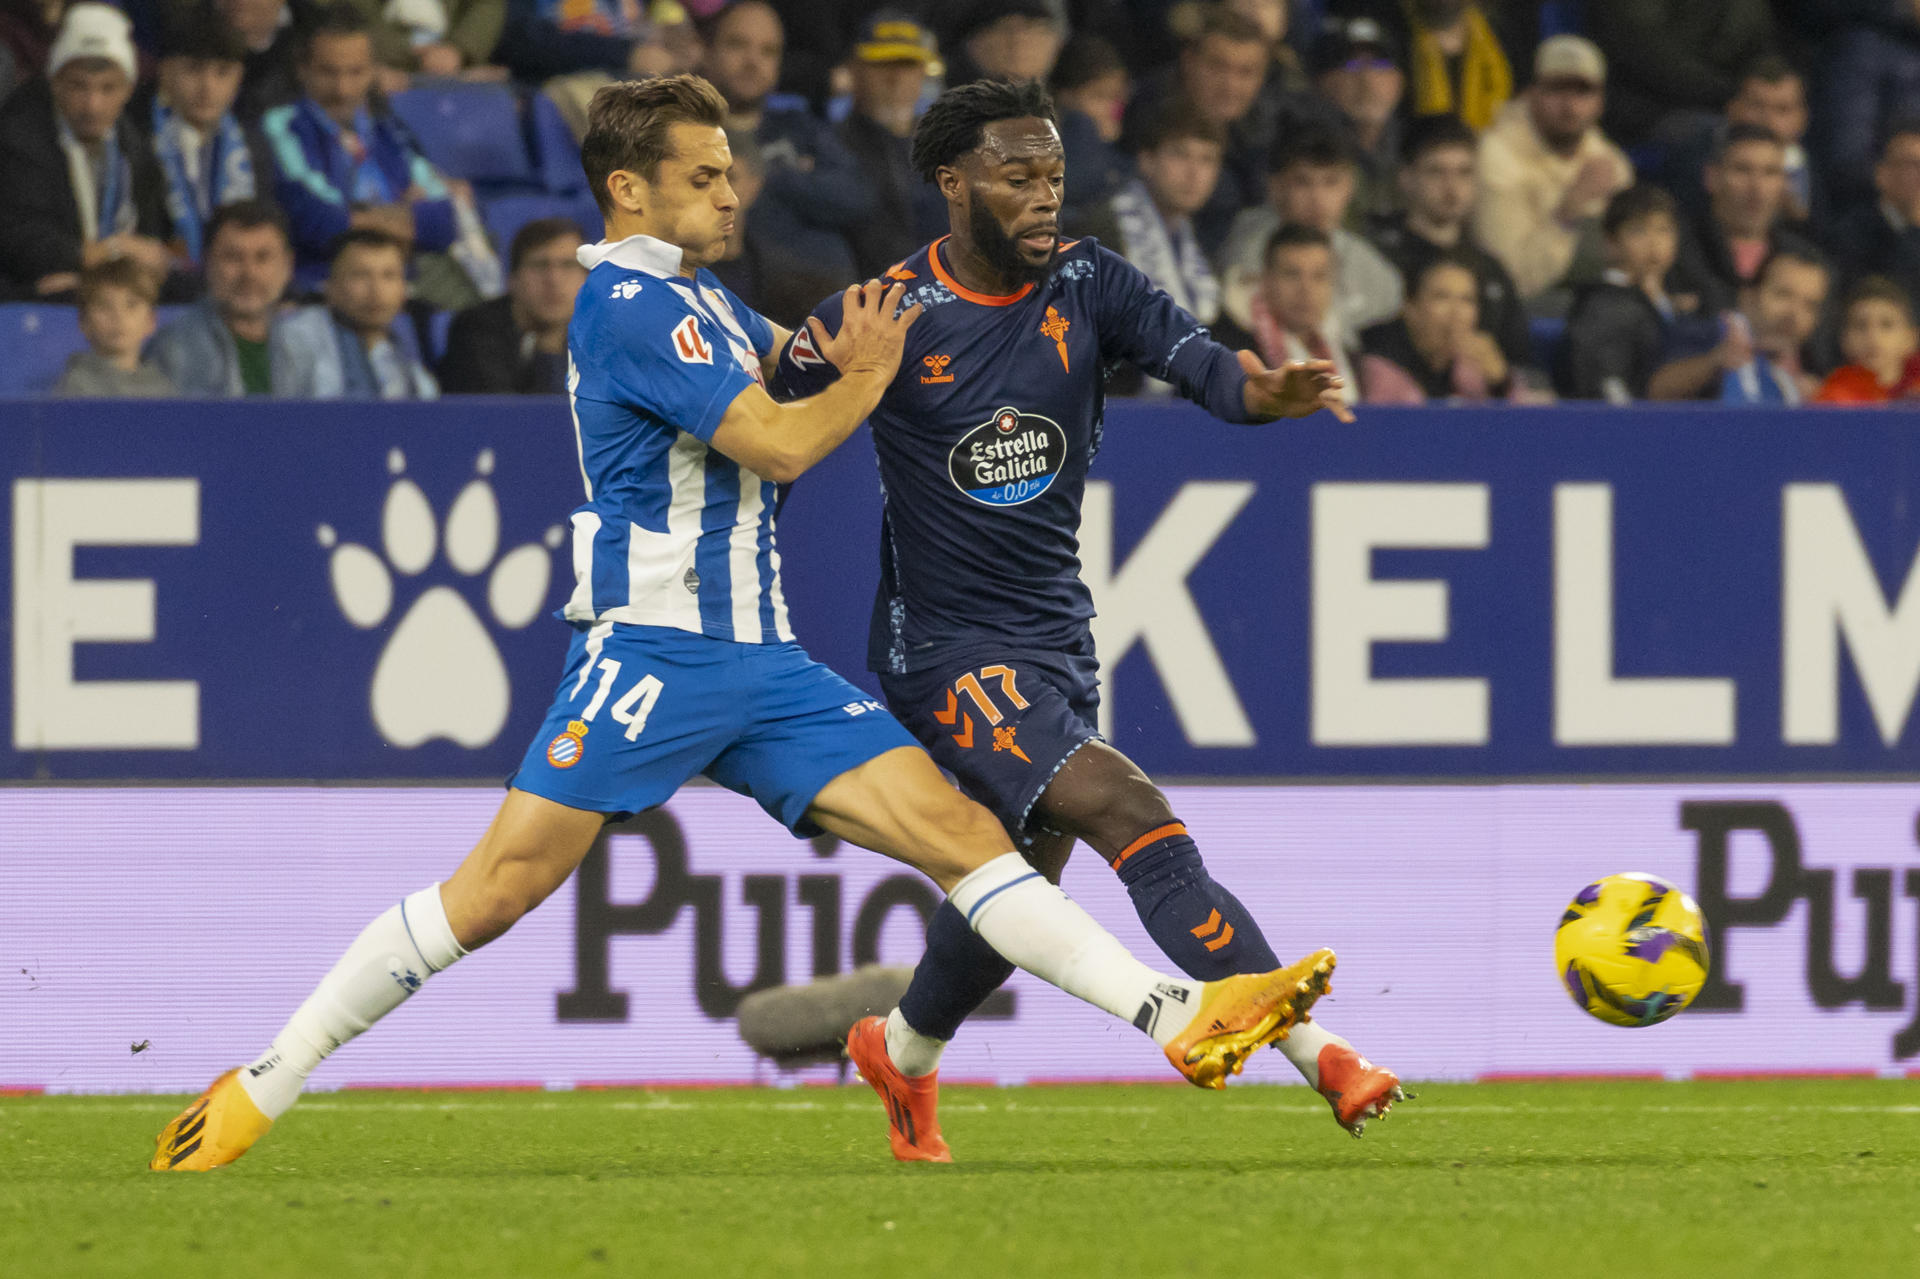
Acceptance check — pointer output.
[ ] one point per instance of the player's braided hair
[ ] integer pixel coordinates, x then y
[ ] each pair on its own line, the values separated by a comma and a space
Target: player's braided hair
951, 127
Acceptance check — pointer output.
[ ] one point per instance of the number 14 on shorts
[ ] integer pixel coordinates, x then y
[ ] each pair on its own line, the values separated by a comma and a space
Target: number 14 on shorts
633, 706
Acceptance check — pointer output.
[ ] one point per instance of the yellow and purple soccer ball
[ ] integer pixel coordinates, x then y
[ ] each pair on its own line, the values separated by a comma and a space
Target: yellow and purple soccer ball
1631, 949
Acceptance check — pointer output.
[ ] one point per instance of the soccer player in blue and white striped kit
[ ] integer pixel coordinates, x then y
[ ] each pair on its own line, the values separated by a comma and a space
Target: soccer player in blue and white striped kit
682, 662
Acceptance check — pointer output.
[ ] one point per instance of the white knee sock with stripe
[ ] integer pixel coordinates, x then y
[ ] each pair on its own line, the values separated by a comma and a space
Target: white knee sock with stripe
387, 962
1039, 928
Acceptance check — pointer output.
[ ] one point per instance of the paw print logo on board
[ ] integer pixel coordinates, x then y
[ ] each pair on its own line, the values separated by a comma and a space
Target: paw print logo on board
440, 674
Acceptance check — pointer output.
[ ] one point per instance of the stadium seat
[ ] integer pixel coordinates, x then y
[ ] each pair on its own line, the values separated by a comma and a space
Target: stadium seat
555, 153
37, 340
506, 214
469, 131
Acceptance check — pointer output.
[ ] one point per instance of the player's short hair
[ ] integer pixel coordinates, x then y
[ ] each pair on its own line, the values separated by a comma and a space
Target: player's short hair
1176, 122
1426, 133
365, 237
1878, 288
1318, 148
1294, 236
630, 126
245, 215
117, 273
952, 125
537, 235
1636, 204
335, 22
1730, 136
1450, 259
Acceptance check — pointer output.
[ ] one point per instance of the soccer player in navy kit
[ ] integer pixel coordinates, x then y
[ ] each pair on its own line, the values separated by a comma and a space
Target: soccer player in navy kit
682, 663
980, 629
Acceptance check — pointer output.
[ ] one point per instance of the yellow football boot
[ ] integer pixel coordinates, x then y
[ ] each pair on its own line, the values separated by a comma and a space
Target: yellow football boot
1237, 1015
221, 1125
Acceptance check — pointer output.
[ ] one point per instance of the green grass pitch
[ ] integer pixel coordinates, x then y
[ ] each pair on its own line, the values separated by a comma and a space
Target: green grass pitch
1805, 1177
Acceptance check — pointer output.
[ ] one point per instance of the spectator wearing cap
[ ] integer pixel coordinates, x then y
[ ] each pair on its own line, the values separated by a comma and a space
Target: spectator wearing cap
433, 37
1090, 91
1547, 172
1179, 163
1435, 350
1758, 358
1456, 55
207, 157
27, 28
1220, 73
1438, 185
1746, 184
517, 344
1883, 237
1001, 39
1291, 315
340, 164
222, 347
80, 183
1358, 70
1312, 185
1674, 57
350, 346
815, 193
891, 60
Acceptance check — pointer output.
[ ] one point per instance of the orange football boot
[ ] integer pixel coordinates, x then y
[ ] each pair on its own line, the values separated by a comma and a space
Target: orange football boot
221, 1125
1357, 1089
913, 1120
1240, 1014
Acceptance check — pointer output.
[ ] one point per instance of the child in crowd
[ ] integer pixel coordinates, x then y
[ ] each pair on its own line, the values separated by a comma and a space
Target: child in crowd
1622, 328
117, 299
1881, 344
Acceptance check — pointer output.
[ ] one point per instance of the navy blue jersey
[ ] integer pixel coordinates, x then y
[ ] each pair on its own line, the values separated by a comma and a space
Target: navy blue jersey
984, 439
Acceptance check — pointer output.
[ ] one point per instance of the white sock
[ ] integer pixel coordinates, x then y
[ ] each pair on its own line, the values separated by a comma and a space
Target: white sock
388, 961
1302, 1047
1039, 928
913, 1054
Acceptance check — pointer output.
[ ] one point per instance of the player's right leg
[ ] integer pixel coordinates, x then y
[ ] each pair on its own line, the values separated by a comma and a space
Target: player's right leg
595, 754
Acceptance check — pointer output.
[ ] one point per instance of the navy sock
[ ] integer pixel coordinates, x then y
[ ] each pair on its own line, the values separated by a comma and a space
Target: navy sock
954, 977
1198, 924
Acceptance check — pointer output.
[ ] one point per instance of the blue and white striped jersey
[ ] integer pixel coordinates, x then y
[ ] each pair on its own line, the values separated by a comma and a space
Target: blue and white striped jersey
673, 533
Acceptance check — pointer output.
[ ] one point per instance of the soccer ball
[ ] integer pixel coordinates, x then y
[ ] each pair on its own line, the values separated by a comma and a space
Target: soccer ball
1632, 949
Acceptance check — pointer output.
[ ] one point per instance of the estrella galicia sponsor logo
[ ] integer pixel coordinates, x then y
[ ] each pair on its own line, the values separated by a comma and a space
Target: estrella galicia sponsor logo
1011, 458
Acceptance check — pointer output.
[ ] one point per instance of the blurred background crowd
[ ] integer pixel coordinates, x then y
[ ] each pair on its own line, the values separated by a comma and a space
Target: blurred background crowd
1455, 200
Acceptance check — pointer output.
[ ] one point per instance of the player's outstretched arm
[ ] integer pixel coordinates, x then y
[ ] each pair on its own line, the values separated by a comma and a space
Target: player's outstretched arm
781, 441
1298, 388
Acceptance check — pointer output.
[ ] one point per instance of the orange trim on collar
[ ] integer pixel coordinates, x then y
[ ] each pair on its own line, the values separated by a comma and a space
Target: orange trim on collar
962, 291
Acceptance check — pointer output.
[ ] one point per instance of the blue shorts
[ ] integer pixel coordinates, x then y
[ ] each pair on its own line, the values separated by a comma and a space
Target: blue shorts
1002, 722
643, 709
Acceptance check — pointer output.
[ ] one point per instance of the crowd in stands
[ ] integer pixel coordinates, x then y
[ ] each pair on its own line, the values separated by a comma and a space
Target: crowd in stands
1456, 201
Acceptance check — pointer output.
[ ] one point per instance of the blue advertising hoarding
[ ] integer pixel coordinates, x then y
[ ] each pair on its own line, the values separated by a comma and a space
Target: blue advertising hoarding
364, 591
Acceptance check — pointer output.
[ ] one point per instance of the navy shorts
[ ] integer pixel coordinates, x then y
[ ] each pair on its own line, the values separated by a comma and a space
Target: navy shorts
643, 709
1002, 722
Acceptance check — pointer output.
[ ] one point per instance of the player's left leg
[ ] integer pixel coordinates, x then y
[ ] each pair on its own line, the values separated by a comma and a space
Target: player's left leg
1103, 798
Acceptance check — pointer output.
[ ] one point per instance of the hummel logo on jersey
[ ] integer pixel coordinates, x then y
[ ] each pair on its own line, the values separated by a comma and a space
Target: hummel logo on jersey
625, 289
936, 369
803, 352
689, 345
691, 581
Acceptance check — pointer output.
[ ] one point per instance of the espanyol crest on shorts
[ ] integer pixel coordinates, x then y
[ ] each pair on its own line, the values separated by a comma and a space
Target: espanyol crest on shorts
1011, 458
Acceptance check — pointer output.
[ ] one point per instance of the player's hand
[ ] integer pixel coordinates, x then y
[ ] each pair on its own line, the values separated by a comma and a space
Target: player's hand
1295, 389
873, 329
